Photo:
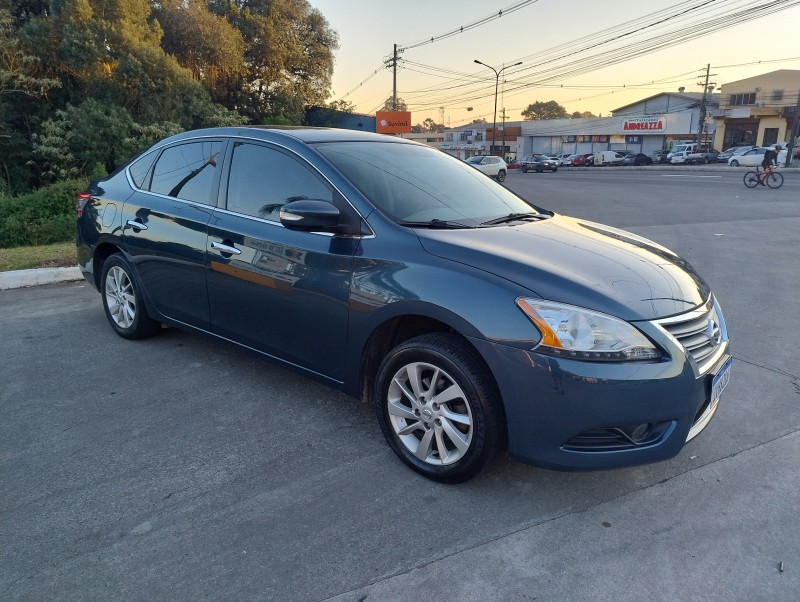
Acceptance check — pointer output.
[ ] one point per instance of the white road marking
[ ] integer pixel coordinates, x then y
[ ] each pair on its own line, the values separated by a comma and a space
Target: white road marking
686, 176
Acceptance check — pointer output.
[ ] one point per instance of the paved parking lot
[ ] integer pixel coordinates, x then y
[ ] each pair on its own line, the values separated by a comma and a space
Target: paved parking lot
177, 468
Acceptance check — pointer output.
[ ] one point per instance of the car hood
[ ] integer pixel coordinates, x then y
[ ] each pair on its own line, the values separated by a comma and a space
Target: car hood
578, 262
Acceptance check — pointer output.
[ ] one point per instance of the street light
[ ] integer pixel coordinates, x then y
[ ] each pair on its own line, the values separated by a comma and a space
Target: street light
496, 83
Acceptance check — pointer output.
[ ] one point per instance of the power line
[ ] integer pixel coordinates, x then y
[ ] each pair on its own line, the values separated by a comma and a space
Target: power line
458, 30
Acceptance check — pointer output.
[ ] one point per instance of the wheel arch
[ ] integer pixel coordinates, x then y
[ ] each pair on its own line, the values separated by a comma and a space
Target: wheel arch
398, 329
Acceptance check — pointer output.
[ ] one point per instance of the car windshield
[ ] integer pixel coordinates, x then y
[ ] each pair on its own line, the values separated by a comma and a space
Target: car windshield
412, 183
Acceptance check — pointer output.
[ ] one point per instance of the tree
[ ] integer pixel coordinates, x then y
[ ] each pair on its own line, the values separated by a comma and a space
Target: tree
205, 43
401, 105
478, 121
544, 110
288, 57
582, 114
429, 125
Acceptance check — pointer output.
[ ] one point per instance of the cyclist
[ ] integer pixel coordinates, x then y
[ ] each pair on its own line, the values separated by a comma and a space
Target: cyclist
770, 158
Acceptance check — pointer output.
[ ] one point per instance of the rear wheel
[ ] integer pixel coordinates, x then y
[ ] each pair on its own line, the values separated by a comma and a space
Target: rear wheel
524, 169
123, 302
555, 169
751, 179
775, 180
539, 169
734, 163
438, 408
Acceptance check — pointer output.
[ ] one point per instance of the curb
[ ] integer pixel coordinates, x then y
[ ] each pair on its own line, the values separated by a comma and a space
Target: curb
38, 276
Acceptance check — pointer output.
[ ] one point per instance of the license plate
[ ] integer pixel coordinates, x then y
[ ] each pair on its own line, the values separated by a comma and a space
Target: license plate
721, 380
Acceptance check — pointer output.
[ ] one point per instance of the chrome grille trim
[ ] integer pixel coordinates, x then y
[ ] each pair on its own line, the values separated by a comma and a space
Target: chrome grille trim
701, 332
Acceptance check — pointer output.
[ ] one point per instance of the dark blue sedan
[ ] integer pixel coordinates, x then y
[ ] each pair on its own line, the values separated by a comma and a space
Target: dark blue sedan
472, 319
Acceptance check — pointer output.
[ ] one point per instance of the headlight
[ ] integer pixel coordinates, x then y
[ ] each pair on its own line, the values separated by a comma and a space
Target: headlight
577, 333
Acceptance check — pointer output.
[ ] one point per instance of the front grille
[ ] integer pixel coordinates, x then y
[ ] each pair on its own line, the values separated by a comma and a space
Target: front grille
701, 332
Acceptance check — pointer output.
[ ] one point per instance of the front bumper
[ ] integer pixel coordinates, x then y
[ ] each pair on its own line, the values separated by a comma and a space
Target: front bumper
575, 415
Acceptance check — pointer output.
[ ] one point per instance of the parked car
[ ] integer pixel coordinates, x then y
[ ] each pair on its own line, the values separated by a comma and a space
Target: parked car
754, 156
637, 159
491, 166
607, 158
702, 156
471, 318
585, 159
686, 147
538, 163
679, 157
564, 159
734, 150
660, 156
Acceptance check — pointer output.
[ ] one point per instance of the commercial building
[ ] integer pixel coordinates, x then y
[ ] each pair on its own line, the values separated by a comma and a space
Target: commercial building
653, 123
759, 110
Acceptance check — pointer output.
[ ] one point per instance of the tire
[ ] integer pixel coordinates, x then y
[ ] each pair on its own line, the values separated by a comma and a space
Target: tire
555, 169
706, 161
775, 180
501, 175
524, 169
539, 169
467, 428
122, 300
751, 179
734, 163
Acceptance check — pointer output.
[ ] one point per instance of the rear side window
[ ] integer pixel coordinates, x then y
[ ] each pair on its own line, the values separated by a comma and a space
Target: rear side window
263, 179
187, 171
140, 168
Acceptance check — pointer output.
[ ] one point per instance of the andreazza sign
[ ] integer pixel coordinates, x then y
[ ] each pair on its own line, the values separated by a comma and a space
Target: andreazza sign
653, 123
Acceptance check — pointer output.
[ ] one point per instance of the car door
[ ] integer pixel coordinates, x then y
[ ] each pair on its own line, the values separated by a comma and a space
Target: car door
277, 290
165, 228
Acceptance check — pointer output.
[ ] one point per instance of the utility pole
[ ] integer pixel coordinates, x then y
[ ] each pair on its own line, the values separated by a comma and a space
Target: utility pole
503, 126
702, 125
793, 133
394, 79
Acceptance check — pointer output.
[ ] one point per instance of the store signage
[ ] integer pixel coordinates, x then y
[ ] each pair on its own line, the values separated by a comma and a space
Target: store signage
652, 122
393, 122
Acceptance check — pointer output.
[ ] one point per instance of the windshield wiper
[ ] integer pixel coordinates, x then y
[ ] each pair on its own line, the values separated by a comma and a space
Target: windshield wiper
515, 217
437, 224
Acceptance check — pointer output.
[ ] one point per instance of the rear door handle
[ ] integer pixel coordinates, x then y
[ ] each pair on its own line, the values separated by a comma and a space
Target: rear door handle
223, 248
137, 225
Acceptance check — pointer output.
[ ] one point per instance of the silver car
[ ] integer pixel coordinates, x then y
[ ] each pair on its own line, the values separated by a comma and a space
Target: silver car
491, 166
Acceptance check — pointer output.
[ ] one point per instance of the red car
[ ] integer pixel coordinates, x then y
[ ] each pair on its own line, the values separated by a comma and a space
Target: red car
586, 159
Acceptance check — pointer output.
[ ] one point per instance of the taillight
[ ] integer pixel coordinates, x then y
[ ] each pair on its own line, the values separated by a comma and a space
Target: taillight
80, 202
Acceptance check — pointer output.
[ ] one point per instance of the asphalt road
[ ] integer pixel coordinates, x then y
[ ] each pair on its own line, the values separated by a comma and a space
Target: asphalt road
177, 468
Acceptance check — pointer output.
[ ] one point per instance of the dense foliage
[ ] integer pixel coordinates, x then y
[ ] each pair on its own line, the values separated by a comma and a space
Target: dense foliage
86, 84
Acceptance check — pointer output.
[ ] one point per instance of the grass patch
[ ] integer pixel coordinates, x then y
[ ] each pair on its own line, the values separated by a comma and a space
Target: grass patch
58, 255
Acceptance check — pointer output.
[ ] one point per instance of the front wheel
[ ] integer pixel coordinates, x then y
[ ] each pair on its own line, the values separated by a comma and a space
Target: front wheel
438, 409
775, 180
555, 169
501, 175
734, 163
524, 169
123, 302
751, 179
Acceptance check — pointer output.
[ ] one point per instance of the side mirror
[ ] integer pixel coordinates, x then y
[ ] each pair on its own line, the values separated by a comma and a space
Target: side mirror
310, 216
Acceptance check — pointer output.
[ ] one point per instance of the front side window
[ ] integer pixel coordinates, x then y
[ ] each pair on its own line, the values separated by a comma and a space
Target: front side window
187, 171
263, 179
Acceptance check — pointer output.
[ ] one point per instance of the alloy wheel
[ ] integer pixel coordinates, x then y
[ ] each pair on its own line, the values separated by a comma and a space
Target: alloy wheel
429, 414
120, 297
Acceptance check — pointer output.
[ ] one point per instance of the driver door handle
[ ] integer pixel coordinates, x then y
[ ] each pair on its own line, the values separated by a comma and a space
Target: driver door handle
223, 248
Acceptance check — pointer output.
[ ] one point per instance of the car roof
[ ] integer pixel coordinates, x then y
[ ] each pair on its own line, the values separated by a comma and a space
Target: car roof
307, 135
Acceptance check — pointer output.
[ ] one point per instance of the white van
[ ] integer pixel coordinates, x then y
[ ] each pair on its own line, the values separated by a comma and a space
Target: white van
680, 148
607, 158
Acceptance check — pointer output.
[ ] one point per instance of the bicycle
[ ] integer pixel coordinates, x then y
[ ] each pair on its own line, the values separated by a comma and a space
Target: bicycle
771, 178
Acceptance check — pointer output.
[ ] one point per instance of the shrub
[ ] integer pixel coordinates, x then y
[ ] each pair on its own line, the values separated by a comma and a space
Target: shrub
41, 217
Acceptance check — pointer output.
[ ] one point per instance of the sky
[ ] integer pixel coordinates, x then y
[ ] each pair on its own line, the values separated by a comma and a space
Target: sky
440, 80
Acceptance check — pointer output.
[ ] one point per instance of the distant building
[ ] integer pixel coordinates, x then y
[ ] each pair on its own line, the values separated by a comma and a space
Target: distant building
757, 110
434, 139
653, 123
